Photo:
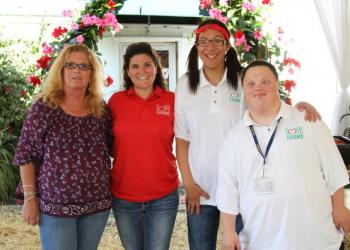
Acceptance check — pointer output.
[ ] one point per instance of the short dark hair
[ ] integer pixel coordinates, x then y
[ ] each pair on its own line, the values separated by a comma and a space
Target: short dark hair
259, 63
231, 63
137, 49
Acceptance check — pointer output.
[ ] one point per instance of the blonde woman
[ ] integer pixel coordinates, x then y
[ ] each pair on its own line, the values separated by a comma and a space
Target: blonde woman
63, 154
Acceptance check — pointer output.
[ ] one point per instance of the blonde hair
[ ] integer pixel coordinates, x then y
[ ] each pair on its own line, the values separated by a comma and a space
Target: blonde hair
52, 92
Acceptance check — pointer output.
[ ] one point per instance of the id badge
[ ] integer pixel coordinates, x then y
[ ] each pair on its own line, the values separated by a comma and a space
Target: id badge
263, 185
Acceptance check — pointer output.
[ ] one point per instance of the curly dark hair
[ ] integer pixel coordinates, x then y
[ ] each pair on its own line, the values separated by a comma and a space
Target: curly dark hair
231, 62
137, 49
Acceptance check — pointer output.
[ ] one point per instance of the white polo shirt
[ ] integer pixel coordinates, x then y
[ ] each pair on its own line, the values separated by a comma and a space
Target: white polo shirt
203, 119
306, 169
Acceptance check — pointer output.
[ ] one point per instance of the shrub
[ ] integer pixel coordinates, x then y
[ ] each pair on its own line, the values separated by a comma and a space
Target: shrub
15, 97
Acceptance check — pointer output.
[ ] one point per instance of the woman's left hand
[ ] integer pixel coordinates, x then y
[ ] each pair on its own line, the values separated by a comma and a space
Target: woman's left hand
311, 113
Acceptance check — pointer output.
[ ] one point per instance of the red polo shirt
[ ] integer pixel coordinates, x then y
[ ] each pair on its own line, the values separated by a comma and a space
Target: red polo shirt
144, 166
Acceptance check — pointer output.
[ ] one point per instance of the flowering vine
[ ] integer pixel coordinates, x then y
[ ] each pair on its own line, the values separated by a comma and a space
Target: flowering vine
91, 24
246, 20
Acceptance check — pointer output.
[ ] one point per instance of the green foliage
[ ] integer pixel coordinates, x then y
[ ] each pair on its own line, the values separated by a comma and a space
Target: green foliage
15, 95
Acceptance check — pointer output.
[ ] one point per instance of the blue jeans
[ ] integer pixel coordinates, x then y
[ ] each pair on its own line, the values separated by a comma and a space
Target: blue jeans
146, 225
203, 228
82, 233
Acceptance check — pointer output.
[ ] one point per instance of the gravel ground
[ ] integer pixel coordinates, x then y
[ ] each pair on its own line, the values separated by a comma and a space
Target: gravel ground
16, 235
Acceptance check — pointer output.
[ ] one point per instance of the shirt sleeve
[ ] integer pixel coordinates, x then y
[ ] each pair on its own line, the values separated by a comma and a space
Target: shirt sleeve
333, 166
227, 195
180, 125
30, 145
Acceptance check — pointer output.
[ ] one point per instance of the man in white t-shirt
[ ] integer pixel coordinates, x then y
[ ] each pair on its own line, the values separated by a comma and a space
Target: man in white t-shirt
285, 176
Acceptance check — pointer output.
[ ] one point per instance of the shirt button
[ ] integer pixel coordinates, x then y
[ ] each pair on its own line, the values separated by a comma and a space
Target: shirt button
215, 91
268, 129
215, 101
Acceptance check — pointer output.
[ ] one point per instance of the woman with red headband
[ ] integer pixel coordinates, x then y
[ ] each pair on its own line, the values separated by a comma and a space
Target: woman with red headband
208, 102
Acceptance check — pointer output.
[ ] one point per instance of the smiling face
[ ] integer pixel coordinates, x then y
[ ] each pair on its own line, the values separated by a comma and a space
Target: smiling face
76, 79
142, 72
212, 55
260, 88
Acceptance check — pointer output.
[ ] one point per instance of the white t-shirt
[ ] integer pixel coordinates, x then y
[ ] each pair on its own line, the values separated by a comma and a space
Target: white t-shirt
203, 119
306, 169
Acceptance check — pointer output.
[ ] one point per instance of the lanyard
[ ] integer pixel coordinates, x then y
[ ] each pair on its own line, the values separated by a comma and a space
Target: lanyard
268, 144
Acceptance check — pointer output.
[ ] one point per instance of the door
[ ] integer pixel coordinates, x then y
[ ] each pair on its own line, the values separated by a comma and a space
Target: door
167, 54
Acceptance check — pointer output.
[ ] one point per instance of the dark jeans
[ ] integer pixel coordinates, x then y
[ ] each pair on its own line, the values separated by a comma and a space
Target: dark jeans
203, 228
146, 225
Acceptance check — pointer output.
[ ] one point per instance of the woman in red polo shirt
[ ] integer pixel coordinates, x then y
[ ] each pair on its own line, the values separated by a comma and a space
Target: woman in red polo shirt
144, 175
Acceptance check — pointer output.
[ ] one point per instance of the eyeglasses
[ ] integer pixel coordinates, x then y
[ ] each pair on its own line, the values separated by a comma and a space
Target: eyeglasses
81, 66
214, 42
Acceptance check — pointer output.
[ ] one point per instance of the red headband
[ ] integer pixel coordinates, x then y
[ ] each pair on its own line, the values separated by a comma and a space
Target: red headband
214, 27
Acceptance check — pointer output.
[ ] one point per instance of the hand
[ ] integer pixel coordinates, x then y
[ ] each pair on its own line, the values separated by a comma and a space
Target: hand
30, 211
341, 218
193, 193
311, 113
230, 241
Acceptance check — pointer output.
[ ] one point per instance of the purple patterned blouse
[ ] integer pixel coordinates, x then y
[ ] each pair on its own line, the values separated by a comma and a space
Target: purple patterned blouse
71, 155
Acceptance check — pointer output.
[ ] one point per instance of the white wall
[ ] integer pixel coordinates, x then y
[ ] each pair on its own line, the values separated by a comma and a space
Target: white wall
316, 81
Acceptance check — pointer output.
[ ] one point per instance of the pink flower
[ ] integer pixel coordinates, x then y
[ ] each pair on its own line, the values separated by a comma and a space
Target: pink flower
47, 49
217, 14
257, 35
239, 38
110, 20
204, 4
291, 70
67, 13
85, 20
246, 48
80, 39
94, 20
90, 20
74, 26
248, 6
116, 29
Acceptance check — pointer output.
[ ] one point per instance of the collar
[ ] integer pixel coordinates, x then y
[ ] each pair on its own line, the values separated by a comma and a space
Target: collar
156, 92
203, 82
283, 112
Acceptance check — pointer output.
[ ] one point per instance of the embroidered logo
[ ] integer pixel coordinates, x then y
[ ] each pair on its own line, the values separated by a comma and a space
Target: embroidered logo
295, 133
235, 96
163, 110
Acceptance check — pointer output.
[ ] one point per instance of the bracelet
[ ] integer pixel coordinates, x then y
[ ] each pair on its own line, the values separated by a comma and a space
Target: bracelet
29, 198
29, 193
28, 186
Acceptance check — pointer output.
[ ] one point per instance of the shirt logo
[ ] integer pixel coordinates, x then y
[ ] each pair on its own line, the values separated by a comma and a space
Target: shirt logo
295, 133
235, 96
163, 110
